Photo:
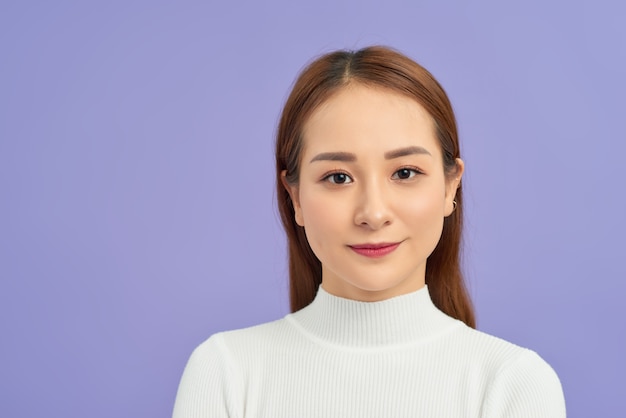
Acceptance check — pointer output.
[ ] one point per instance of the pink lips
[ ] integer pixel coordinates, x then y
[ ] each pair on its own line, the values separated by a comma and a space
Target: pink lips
374, 250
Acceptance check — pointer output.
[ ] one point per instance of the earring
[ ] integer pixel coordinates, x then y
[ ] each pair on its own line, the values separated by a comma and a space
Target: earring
454, 204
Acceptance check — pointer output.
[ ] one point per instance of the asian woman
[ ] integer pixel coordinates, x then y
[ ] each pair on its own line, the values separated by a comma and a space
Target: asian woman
369, 187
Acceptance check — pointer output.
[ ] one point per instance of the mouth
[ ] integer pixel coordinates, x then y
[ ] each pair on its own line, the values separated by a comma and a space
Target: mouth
375, 250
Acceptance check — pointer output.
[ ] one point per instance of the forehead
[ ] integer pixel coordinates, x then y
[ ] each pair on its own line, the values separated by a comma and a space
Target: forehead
361, 119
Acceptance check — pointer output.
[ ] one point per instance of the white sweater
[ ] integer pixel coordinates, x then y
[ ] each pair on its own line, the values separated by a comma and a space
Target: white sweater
400, 357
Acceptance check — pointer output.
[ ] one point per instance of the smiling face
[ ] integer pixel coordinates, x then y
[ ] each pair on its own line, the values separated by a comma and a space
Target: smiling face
372, 192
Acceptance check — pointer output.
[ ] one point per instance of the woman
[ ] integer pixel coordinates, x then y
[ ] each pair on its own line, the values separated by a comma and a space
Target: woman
369, 191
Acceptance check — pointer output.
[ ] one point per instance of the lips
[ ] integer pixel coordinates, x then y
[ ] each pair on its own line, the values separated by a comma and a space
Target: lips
375, 250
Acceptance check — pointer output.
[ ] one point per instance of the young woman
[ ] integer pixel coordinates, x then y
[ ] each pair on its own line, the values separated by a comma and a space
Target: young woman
369, 190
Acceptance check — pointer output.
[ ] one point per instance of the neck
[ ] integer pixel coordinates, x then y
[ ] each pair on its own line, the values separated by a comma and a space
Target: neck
406, 319
347, 291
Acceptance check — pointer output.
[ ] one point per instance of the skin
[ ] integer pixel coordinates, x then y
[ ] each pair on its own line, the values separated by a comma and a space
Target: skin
371, 196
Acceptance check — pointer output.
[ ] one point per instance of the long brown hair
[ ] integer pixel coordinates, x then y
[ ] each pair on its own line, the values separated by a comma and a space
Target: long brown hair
381, 67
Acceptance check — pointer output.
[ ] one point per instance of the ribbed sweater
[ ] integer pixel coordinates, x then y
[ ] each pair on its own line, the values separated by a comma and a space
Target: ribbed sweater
400, 357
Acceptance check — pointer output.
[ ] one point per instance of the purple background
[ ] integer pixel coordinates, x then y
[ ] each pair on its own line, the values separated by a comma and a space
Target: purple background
136, 180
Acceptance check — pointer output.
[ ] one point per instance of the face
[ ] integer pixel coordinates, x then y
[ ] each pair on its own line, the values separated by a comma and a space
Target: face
372, 194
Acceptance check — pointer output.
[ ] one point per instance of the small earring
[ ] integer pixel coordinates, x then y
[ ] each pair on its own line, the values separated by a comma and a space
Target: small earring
454, 204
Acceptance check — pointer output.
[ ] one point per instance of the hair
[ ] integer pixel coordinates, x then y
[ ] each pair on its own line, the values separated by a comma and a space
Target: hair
382, 67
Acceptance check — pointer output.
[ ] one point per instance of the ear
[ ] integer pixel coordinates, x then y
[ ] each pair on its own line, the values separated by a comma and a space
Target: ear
452, 185
294, 194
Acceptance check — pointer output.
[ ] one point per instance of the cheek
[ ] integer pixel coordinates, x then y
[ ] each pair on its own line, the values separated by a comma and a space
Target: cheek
324, 216
424, 211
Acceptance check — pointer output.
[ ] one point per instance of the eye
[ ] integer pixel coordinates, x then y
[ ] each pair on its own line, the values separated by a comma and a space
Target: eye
338, 178
405, 174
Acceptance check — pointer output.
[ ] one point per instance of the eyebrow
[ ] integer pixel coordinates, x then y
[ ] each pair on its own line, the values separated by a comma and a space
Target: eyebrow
389, 155
335, 156
402, 152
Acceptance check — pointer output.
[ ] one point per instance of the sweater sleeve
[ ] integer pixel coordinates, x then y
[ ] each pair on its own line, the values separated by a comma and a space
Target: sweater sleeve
205, 388
526, 388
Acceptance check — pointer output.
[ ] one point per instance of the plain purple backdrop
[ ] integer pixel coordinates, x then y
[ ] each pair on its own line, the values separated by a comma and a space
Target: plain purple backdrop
136, 183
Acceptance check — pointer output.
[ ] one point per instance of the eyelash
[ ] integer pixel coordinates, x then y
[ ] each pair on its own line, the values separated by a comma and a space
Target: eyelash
414, 172
329, 176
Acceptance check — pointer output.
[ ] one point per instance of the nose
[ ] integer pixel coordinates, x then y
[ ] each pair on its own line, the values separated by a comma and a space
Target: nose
373, 207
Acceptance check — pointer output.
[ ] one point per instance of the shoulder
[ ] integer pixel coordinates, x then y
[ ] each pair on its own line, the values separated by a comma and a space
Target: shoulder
205, 388
526, 386
233, 348
481, 345
248, 345
521, 383
213, 378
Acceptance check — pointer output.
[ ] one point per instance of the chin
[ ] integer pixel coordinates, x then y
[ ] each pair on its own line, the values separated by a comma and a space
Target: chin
385, 286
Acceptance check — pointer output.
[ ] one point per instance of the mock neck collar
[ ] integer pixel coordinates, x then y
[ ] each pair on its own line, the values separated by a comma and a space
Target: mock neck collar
406, 319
